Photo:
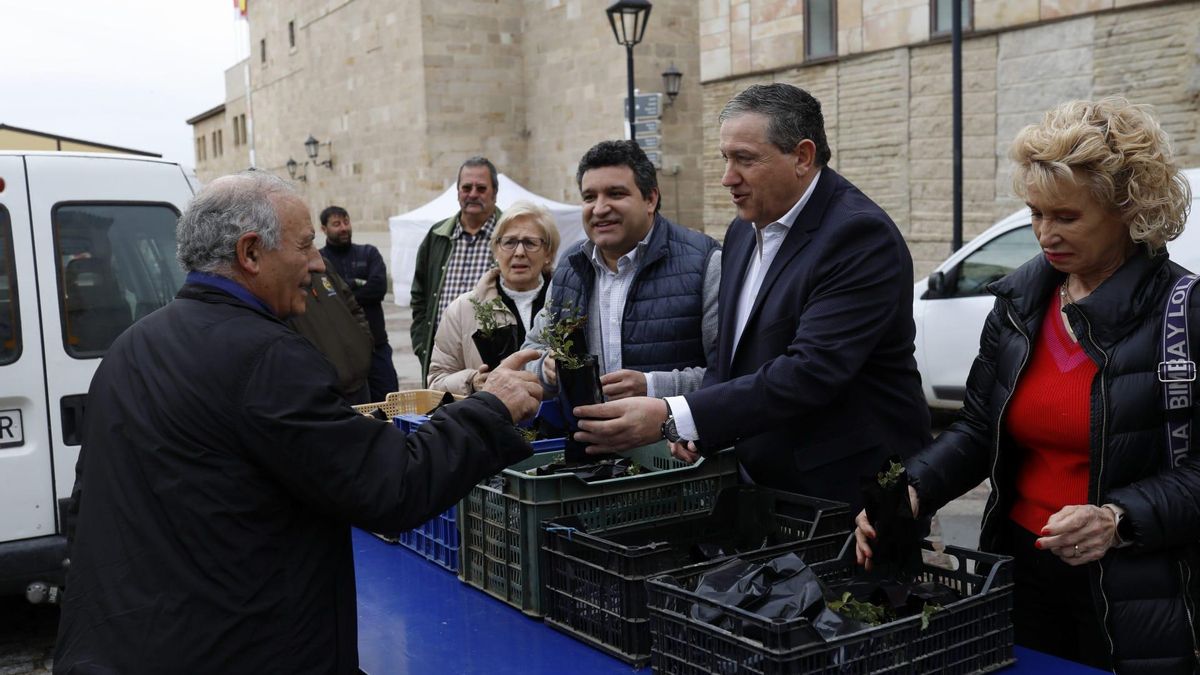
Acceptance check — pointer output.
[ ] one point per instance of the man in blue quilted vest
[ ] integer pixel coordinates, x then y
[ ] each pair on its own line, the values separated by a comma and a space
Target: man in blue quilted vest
648, 286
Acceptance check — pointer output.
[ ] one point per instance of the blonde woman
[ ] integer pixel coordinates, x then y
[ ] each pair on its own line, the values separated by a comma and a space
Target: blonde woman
1063, 411
524, 244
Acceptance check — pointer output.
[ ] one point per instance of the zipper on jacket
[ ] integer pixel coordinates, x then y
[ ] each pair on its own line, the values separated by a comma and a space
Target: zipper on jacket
1112, 649
996, 449
1185, 575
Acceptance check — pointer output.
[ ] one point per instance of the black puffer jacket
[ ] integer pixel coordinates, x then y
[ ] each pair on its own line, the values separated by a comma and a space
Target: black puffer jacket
1139, 591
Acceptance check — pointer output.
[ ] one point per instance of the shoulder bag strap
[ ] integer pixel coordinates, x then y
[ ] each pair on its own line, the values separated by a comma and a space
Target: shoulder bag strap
1177, 370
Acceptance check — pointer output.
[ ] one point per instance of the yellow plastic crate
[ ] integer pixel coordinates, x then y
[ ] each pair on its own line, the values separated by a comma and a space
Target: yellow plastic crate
419, 401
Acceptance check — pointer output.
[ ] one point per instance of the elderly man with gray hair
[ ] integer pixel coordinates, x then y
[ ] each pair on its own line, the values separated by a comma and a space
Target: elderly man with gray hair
220, 470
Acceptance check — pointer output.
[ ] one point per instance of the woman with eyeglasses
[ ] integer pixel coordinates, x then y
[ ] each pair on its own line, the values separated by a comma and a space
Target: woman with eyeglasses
524, 245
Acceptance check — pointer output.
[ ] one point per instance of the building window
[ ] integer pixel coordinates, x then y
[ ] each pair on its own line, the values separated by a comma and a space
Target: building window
262, 51
941, 16
820, 36
237, 137
201, 149
291, 34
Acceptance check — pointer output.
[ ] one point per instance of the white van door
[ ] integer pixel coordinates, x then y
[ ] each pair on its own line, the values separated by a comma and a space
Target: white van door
27, 498
110, 225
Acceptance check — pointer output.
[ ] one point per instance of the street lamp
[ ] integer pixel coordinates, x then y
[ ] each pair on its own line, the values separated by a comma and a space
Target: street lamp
628, 20
292, 165
671, 79
312, 146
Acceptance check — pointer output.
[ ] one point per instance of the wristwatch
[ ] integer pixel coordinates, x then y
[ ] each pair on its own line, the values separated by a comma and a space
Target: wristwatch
669, 431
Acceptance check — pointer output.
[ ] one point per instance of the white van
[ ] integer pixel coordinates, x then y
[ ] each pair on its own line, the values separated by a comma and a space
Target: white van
950, 305
87, 247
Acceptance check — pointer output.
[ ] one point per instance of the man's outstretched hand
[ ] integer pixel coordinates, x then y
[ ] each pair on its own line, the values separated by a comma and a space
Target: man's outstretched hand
516, 388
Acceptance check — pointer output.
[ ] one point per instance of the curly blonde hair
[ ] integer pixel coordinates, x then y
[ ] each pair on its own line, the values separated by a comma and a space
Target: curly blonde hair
1119, 153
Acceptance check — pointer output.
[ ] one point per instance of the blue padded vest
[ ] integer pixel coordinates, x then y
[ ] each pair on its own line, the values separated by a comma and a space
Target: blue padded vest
661, 327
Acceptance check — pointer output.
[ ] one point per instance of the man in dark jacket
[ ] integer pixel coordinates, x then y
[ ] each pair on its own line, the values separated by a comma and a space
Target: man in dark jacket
220, 471
337, 326
814, 383
362, 267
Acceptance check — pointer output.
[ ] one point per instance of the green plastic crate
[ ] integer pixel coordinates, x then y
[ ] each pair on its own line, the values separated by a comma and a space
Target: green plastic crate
500, 526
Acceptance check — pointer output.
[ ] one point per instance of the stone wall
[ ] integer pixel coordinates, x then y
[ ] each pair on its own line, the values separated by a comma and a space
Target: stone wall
355, 79
233, 158
888, 112
405, 91
743, 37
576, 81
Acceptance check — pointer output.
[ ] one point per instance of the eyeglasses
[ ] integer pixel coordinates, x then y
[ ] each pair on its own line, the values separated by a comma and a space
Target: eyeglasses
532, 244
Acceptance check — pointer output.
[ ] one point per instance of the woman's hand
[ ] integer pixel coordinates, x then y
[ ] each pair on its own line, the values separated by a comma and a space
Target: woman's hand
480, 378
864, 531
1079, 534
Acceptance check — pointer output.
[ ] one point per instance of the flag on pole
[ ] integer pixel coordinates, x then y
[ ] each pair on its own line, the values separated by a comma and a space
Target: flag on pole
240, 5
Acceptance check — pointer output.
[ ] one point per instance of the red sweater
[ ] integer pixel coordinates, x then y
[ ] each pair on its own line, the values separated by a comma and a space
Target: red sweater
1049, 418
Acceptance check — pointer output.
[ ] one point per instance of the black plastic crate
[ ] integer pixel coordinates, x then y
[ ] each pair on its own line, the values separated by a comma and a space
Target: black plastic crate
971, 635
595, 580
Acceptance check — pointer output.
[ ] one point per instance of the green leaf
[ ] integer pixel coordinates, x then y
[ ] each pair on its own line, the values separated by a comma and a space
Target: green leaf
891, 476
926, 612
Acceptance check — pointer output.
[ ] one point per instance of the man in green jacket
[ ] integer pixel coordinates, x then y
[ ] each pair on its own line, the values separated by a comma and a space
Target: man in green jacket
455, 254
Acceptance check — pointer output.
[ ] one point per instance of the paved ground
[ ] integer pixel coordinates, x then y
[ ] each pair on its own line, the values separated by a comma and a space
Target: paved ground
27, 632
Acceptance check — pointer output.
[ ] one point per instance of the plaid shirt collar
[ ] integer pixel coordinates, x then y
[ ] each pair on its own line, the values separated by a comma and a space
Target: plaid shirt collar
459, 232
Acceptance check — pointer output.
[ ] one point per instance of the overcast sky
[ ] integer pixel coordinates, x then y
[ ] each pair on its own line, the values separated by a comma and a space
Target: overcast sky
122, 72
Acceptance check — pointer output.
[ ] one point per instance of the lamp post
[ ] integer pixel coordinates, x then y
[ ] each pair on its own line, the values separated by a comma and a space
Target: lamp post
628, 20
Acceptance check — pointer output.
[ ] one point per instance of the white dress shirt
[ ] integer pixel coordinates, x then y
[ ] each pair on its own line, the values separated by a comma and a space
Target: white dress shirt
608, 302
767, 242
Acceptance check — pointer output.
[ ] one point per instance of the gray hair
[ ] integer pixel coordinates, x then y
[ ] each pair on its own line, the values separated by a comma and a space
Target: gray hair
226, 209
793, 115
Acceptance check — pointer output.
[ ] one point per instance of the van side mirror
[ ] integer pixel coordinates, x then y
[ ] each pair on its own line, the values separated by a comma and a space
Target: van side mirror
937, 285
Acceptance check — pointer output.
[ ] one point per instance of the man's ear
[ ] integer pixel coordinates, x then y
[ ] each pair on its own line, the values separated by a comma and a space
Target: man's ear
249, 253
805, 154
652, 200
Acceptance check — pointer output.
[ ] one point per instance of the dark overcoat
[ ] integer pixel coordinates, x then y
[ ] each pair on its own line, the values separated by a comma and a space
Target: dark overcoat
218, 480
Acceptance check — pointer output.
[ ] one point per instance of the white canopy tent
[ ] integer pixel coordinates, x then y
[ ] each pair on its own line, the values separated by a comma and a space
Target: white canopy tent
409, 229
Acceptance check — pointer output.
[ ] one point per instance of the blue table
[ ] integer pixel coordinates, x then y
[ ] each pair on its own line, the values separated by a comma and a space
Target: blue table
415, 617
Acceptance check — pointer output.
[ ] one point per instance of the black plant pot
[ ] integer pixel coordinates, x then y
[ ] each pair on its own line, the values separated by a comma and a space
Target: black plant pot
495, 348
896, 550
578, 387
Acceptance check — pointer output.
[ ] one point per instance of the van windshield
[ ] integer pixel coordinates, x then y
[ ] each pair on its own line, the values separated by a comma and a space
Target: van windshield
116, 264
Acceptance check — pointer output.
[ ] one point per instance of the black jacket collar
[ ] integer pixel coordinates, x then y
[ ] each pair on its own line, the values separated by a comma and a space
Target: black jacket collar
1134, 290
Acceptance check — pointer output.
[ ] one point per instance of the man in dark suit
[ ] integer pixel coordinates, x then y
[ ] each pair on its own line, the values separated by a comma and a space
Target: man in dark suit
815, 382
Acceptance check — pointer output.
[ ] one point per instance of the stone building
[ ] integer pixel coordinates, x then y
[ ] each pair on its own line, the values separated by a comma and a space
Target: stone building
402, 92
222, 134
881, 70
399, 93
